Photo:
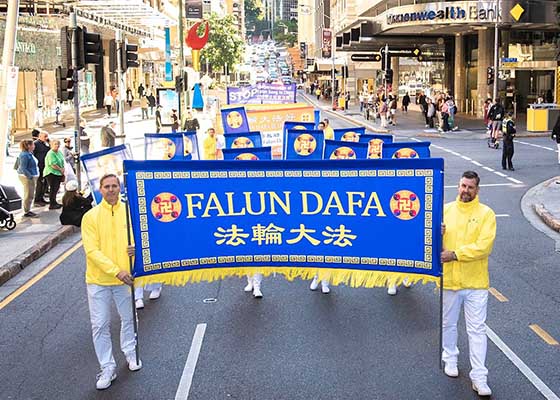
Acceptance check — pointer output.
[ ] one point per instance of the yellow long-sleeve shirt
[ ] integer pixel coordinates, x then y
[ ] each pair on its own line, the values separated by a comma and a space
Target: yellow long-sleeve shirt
210, 146
329, 133
470, 230
105, 243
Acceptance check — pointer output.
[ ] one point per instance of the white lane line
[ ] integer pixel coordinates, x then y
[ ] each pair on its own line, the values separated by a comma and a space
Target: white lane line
502, 215
476, 163
521, 366
514, 180
466, 158
488, 169
536, 145
500, 174
188, 372
455, 153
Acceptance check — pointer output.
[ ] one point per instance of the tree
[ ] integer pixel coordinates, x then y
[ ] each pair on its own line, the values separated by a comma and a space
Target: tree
225, 45
286, 32
253, 13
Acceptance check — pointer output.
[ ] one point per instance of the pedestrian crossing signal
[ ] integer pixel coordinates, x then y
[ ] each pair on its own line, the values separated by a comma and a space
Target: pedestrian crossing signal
490, 76
64, 84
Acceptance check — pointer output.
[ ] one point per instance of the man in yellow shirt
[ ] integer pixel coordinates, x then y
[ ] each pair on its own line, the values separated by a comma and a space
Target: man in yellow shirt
210, 145
469, 231
328, 131
104, 236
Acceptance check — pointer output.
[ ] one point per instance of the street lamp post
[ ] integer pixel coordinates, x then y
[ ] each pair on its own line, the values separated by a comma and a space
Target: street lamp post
496, 50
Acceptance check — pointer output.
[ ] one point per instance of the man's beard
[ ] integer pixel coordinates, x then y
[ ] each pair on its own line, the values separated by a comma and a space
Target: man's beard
466, 198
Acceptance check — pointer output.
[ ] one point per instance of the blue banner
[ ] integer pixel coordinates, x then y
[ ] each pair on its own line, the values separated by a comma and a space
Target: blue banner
168, 65
253, 154
106, 161
406, 150
262, 93
234, 120
359, 222
190, 146
375, 144
163, 146
349, 134
243, 140
303, 145
341, 150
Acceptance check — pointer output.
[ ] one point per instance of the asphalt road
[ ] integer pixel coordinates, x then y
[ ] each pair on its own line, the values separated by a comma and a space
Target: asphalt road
297, 344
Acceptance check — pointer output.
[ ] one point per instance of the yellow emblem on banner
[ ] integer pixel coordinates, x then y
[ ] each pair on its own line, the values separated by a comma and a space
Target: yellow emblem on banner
343, 153
350, 137
405, 152
405, 205
305, 144
234, 119
375, 147
166, 207
242, 142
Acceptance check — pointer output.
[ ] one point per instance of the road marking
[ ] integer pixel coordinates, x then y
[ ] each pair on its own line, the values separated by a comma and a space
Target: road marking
502, 215
514, 180
20, 290
544, 335
521, 366
466, 158
485, 185
536, 145
488, 169
500, 297
190, 365
500, 174
476, 163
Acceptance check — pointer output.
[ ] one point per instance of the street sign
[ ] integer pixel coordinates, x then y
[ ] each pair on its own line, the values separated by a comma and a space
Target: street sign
372, 57
413, 52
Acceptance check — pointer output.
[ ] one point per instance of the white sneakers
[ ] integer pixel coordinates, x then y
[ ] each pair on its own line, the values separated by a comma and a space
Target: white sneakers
105, 377
482, 388
132, 364
392, 289
451, 370
154, 294
249, 287
324, 285
139, 304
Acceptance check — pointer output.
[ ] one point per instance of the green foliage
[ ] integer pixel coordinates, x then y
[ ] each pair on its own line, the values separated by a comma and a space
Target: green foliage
253, 13
286, 32
225, 45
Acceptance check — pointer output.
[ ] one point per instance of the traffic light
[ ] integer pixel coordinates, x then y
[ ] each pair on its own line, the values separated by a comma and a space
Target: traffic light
129, 56
113, 55
64, 84
179, 84
489, 75
91, 47
389, 76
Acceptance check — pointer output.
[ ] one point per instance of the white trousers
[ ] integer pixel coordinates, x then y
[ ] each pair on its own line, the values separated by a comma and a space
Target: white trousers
139, 290
256, 279
475, 304
99, 301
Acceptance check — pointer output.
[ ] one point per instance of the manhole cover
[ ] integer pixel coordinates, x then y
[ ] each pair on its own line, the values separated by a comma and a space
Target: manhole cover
210, 300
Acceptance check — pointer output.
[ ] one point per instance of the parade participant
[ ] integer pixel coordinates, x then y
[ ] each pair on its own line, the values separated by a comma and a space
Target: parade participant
508, 133
40, 151
28, 172
158, 119
108, 134
54, 172
328, 131
104, 238
155, 293
209, 145
74, 205
469, 230
324, 285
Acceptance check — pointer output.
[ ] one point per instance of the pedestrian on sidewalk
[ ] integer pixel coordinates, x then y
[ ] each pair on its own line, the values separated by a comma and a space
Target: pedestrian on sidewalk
74, 205
393, 104
496, 115
158, 119
129, 97
318, 93
361, 98
84, 138
465, 266
108, 135
347, 100
405, 102
422, 100
104, 236
41, 148
508, 134
556, 136
430, 113
151, 103
444, 116
108, 102
383, 114
27, 168
141, 90
69, 155
191, 123
144, 106
54, 172
174, 121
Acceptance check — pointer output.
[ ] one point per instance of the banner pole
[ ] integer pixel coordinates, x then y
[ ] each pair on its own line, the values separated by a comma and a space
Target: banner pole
131, 267
440, 321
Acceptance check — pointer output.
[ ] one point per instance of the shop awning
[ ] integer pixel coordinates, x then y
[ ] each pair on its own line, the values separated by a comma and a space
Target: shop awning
325, 64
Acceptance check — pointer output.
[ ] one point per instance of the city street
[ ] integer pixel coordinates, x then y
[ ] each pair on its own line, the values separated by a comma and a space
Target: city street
297, 344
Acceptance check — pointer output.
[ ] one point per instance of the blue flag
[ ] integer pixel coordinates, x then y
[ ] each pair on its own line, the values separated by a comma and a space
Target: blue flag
253, 154
106, 161
243, 140
163, 146
406, 150
340, 150
375, 144
303, 145
349, 134
190, 146
234, 120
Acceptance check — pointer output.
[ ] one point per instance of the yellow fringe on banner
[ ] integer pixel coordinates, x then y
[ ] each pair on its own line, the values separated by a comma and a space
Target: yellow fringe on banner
348, 277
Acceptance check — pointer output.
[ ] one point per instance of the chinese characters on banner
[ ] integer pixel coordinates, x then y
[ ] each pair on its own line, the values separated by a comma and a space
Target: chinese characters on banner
326, 48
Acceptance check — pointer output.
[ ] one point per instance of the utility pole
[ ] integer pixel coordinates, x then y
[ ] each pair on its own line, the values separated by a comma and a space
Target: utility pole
333, 92
121, 47
8, 55
181, 57
77, 138
386, 67
496, 51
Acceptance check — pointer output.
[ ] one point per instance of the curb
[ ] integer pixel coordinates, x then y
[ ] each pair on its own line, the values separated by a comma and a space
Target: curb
18, 263
547, 217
